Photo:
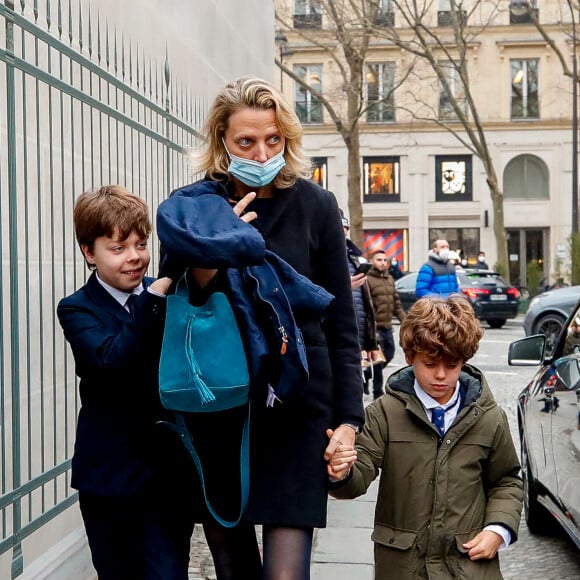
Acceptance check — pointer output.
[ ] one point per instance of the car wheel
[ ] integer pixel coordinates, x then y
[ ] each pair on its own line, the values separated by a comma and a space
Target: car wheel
550, 325
496, 322
538, 519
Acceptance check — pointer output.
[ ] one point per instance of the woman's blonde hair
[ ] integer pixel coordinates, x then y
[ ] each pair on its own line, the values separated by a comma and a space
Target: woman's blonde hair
253, 93
445, 329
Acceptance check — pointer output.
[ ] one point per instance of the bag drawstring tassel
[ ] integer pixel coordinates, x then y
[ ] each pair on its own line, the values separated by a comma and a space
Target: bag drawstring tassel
205, 393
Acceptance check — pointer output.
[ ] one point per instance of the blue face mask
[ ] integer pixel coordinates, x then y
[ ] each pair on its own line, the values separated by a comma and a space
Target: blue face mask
254, 173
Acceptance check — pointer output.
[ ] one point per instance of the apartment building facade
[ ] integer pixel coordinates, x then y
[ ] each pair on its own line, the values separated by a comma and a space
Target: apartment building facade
419, 181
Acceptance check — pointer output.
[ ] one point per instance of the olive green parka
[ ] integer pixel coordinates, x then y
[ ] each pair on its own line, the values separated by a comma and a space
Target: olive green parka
435, 493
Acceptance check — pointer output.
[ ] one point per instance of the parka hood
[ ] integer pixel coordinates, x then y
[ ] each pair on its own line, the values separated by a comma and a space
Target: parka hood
472, 383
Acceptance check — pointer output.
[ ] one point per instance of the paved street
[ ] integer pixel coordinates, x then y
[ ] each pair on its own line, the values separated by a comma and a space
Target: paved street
343, 551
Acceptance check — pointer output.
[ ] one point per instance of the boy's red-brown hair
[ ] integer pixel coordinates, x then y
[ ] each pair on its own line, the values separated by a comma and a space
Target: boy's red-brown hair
441, 328
111, 208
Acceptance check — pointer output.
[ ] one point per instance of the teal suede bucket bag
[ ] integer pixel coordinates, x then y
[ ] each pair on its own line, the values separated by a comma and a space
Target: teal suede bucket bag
203, 369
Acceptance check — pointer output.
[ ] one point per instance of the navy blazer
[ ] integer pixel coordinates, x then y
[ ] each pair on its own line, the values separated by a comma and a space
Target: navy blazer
118, 444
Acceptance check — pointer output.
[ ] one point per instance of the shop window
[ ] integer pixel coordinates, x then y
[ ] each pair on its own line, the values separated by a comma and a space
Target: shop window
453, 178
382, 179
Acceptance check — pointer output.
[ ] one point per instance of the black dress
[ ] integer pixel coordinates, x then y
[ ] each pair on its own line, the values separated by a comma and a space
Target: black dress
289, 481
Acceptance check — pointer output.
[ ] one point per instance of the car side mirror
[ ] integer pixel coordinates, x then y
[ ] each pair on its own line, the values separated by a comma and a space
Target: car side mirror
567, 370
528, 351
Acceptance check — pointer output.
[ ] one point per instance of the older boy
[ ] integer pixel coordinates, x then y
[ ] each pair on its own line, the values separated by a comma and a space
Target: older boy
449, 495
137, 517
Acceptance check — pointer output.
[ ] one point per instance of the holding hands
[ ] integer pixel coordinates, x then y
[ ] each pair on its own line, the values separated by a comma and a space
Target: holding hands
341, 457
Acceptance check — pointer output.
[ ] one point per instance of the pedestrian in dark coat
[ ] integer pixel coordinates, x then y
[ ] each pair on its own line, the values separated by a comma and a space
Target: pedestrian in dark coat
387, 305
253, 147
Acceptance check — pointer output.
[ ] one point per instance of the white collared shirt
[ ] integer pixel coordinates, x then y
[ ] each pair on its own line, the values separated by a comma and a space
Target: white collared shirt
120, 295
451, 408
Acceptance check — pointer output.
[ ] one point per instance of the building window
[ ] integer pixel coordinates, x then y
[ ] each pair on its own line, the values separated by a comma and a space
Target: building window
524, 78
385, 15
307, 14
453, 178
447, 13
382, 179
319, 171
523, 11
308, 107
380, 92
457, 90
526, 177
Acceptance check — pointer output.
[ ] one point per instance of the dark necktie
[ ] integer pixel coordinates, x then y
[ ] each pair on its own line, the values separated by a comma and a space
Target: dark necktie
130, 304
438, 419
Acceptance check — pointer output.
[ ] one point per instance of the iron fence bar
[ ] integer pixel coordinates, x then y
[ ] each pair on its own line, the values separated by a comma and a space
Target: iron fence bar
92, 67
15, 540
94, 103
34, 484
17, 565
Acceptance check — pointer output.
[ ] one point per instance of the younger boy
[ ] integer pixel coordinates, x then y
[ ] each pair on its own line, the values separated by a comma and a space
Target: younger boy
129, 496
449, 494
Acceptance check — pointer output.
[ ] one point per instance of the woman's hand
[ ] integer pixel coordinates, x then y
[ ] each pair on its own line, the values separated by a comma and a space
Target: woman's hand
341, 460
241, 206
203, 276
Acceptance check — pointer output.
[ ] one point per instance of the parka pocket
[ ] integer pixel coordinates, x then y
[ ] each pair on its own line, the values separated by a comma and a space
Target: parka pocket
396, 554
463, 538
394, 538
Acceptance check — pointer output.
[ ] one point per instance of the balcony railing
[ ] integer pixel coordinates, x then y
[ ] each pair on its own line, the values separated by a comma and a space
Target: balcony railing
525, 18
445, 17
309, 112
384, 18
312, 20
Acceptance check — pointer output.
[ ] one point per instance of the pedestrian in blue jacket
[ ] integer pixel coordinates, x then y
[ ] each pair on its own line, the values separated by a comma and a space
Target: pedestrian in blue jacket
438, 276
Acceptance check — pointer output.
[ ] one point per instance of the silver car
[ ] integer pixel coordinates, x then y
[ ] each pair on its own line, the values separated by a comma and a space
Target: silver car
548, 312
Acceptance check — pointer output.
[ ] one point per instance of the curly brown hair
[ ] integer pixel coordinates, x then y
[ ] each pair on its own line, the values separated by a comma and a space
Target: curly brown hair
442, 328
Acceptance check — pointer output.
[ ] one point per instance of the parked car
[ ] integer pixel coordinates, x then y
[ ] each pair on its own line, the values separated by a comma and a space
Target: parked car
548, 312
493, 299
549, 430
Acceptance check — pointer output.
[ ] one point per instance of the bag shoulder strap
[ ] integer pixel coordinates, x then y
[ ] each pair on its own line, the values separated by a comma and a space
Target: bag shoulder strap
180, 427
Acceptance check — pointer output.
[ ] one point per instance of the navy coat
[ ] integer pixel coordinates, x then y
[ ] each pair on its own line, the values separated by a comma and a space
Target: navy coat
288, 473
119, 449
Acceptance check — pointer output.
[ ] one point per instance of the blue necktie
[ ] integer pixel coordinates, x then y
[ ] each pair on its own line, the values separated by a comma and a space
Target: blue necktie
438, 419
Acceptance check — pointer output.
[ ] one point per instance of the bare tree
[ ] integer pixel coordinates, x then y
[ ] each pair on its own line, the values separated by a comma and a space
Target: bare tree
564, 20
443, 53
346, 41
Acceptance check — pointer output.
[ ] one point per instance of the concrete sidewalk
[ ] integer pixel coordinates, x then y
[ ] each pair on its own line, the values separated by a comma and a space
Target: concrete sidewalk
343, 550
